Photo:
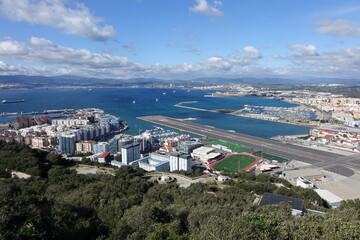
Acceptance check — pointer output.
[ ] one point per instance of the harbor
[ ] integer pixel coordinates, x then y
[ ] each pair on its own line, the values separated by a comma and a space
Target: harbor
5, 114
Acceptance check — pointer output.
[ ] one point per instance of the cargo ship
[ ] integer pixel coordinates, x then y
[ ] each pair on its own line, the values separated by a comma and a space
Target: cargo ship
12, 101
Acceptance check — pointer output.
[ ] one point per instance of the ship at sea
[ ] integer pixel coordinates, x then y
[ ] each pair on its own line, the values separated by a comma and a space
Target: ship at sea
12, 101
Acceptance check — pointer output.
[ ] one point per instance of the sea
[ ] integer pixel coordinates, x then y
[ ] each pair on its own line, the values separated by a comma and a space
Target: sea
130, 103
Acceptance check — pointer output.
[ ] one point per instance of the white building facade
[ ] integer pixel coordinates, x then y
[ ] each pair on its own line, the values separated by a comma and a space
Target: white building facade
130, 153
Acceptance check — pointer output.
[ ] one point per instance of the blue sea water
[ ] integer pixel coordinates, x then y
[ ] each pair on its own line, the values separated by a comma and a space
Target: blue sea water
119, 102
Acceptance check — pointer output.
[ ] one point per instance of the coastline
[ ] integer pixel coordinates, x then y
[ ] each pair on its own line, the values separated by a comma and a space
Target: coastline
119, 103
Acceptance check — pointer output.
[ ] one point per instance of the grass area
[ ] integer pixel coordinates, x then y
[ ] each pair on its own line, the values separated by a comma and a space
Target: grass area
234, 163
231, 146
271, 157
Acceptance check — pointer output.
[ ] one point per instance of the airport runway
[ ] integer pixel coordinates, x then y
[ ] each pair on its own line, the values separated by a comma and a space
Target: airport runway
294, 152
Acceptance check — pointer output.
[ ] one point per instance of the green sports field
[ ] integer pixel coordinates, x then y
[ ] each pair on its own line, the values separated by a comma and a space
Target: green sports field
271, 157
234, 163
232, 147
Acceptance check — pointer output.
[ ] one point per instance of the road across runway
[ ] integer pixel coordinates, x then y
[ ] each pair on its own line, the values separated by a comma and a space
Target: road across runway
303, 154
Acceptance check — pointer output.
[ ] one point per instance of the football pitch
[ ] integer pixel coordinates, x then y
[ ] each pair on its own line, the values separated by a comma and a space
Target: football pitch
232, 147
234, 163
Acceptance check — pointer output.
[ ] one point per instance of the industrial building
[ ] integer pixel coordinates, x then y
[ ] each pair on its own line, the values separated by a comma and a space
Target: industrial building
104, 157
331, 199
273, 199
309, 174
130, 153
302, 182
153, 162
188, 146
180, 161
202, 153
117, 163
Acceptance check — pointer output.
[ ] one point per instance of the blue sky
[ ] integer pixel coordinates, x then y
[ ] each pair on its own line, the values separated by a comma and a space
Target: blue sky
180, 39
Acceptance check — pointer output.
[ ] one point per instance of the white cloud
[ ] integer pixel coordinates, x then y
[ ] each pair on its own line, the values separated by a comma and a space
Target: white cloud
58, 59
233, 63
343, 63
76, 19
204, 8
45, 51
217, 3
40, 56
339, 27
309, 50
252, 51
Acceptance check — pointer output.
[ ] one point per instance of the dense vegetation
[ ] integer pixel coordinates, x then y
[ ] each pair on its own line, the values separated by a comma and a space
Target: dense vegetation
57, 203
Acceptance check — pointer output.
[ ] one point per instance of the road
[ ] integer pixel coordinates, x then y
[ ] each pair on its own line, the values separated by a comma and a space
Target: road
311, 156
344, 165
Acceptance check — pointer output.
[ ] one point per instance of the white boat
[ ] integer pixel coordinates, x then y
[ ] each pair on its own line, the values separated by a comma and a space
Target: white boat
164, 93
134, 102
157, 100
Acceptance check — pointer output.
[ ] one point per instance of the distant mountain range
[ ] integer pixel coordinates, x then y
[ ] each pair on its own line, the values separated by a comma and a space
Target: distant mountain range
65, 80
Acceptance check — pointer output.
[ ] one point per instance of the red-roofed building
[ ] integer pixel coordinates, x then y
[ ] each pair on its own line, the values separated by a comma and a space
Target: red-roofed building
172, 143
167, 149
104, 157
182, 138
327, 138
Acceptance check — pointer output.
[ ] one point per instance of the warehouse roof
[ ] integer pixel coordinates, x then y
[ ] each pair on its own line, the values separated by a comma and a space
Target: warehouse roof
328, 196
203, 150
271, 199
